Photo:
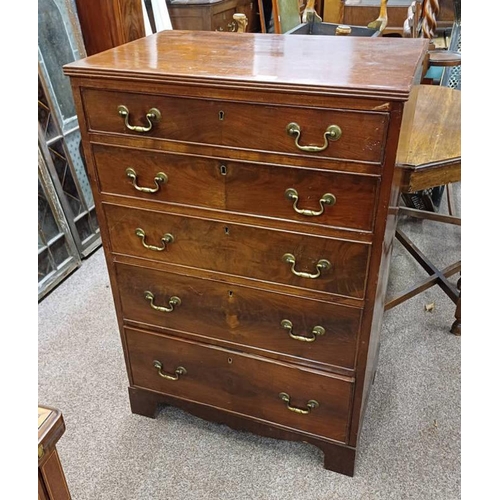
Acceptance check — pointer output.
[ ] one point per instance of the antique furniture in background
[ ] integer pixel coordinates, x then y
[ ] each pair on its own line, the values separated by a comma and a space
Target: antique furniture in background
431, 158
216, 15
248, 212
290, 21
109, 24
363, 12
442, 66
52, 483
67, 225
438, 14
241, 22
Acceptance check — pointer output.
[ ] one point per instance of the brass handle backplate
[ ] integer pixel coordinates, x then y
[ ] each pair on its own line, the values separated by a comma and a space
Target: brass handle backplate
311, 404
180, 370
326, 199
41, 451
153, 115
166, 238
332, 133
172, 302
288, 326
160, 178
322, 265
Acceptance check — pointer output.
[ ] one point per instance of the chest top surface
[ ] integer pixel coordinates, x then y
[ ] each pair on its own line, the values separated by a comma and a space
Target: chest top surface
357, 66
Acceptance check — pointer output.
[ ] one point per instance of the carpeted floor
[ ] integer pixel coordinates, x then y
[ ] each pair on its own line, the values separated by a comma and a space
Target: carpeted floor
410, 442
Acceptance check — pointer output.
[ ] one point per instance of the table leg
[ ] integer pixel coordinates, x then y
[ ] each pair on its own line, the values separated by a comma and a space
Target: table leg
456, 328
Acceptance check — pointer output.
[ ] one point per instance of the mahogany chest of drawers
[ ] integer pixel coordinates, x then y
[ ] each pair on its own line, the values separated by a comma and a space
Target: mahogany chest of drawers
246, 194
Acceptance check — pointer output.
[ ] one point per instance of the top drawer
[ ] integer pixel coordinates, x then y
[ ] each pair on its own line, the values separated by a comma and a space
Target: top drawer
341, 134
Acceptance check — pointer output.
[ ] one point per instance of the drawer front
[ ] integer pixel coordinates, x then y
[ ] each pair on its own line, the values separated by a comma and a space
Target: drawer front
240, 383
239, 125
241, 315
185, 180
257, 253
303, 195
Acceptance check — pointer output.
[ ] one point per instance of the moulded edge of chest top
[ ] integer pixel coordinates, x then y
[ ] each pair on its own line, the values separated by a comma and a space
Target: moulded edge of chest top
270, 94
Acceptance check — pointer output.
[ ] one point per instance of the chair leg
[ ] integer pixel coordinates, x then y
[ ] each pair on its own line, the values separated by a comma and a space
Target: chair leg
456, 328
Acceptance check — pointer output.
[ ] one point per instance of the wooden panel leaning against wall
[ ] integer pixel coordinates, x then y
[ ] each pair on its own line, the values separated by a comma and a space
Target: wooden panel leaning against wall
333, 11
108, 24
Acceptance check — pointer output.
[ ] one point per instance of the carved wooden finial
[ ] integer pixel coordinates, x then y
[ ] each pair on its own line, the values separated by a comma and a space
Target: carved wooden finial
241, 22
430, 11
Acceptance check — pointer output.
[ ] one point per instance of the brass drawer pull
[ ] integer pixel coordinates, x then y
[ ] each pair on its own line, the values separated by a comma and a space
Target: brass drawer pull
332, 133
160, 178
166, 238
317, 330
153, 115
180, 370
326, 199
322, 265
173, 301
311, 404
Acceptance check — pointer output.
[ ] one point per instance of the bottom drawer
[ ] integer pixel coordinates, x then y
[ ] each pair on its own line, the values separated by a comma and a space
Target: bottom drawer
317, 403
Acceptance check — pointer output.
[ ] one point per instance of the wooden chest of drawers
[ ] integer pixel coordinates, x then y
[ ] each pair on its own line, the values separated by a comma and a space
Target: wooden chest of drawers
212, 16
247, 196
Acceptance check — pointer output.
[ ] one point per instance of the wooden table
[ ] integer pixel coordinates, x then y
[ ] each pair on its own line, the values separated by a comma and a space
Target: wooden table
429, 155
51, 481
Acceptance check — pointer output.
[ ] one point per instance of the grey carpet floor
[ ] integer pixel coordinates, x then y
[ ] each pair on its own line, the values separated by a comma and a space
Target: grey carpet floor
409, 446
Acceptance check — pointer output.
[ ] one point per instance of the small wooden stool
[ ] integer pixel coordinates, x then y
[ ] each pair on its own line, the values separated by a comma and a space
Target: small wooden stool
51, 481
430, 156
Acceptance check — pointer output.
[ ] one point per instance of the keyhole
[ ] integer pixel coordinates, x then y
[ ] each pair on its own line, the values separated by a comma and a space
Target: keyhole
230, 293
221, 115
223, 169
229, 360
226, 230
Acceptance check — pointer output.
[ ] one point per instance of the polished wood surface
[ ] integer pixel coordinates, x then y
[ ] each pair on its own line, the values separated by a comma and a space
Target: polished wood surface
52, 483
240, 250
444, 58
362, 137
250, 188
237, 316
182, 56
430, 154
225, 102
242, 383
